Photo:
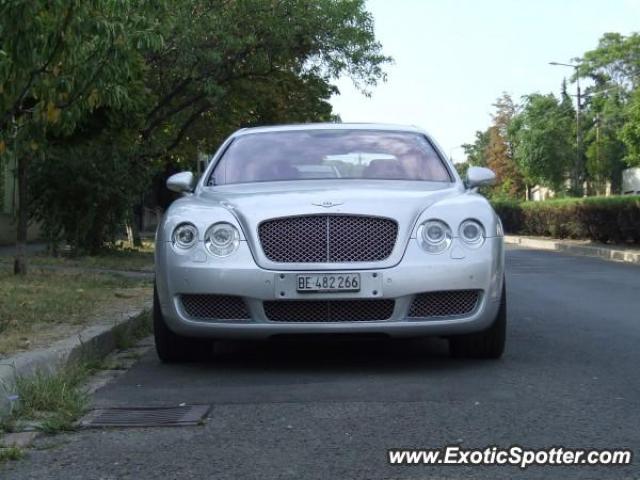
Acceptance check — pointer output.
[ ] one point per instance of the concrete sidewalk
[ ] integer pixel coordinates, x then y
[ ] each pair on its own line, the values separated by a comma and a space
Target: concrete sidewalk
616, 253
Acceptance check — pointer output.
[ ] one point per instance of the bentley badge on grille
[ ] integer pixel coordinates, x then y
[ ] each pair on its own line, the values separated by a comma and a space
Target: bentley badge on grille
327, 204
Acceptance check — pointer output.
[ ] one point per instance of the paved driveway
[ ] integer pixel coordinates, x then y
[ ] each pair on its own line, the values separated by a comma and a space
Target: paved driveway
571, 377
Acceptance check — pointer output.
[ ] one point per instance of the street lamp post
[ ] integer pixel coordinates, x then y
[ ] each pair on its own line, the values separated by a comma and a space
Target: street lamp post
578, 164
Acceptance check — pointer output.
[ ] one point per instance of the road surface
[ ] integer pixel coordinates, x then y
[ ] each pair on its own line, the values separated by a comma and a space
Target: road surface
570, 377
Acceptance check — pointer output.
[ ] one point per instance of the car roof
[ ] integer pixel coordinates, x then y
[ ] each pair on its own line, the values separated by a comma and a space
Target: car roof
330, 126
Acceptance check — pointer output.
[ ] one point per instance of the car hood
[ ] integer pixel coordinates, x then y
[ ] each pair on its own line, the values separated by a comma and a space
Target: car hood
253, 203
401, 200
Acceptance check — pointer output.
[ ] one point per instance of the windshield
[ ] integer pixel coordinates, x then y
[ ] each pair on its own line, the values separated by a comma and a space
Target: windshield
329, 154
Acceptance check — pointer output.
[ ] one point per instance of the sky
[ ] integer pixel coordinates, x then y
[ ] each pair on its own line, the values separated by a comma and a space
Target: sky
453, 58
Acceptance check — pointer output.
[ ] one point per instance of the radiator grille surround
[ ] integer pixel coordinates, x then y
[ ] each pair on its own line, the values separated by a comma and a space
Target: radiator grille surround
328, 238
328, 310
448, 303
214, 307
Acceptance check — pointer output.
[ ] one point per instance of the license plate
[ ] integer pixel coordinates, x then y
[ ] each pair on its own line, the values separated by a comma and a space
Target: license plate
329, 282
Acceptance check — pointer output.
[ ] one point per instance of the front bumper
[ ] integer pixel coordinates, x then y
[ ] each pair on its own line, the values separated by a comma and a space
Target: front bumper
460, 268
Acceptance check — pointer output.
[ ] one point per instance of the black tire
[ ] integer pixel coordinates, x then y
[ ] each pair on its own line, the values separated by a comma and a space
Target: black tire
174, 348
487, 344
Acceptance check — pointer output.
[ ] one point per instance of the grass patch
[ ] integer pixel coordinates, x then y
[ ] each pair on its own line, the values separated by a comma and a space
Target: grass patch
52, 401
10, 454
116, 258
35, 305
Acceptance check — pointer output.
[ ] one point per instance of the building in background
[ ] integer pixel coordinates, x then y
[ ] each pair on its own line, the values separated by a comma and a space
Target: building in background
631, 181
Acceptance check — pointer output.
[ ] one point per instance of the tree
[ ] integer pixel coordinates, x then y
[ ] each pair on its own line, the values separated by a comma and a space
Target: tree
462, 169
542, 135
630, 132
476, 151
614, 66
60, 60
494, 148
241, 62
544, 151
616, 61
499, 152
221, 65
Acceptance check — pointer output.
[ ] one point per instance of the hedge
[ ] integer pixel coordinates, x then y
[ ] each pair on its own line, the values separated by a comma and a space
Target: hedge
602, 219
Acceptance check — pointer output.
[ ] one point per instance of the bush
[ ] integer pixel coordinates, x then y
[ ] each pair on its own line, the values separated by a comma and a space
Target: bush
82, 193
601, 219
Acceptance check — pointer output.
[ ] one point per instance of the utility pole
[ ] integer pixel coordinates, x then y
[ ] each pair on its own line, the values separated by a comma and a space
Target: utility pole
579, 181
577, 177
598, 138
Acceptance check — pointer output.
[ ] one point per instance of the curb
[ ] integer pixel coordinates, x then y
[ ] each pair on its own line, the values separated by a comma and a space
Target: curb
575, 248
93, 342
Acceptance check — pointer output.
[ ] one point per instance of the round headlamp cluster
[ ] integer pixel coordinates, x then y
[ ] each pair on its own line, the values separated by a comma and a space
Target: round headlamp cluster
185, 236
435, 236
472, 233
221, 239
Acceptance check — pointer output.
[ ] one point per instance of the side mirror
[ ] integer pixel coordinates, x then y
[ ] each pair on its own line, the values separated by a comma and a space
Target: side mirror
480, 176
181, 182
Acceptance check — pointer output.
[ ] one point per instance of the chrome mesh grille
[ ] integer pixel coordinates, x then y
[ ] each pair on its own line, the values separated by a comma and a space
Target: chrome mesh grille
328, 239
214, 307
328, 310
444, 304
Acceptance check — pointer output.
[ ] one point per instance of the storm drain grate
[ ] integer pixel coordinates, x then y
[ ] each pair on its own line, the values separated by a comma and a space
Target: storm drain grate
188, 415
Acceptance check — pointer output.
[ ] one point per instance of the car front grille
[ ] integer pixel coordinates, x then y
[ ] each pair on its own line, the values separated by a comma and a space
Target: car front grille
328, 310
328, 239
214, 307
450, 303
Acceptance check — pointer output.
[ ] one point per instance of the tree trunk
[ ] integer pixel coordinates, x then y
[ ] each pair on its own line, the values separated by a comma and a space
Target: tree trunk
133, 230
20, 262
129, 230
136, 226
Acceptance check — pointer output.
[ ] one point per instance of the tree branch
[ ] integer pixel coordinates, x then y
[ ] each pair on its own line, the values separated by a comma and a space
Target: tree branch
182, 132
184, 105
17, 106
170, 96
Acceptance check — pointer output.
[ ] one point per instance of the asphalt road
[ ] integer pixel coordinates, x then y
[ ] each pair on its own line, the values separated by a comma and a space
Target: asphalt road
570, 377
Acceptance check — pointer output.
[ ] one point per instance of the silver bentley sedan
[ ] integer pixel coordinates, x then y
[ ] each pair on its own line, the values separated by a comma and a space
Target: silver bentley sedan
341, 229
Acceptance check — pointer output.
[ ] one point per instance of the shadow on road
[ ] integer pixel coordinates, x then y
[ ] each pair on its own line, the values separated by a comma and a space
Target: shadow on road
303, 371
304, 355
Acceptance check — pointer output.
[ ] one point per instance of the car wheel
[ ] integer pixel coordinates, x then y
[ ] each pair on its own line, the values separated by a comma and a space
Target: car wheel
488, 343
174, 348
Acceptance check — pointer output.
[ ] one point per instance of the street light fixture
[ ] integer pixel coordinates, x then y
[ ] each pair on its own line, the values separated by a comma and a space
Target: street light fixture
578, 107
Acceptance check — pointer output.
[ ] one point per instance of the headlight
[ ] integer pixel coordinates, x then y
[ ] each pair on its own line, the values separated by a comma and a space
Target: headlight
472, 233
185, 236
435, 236
222, 239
